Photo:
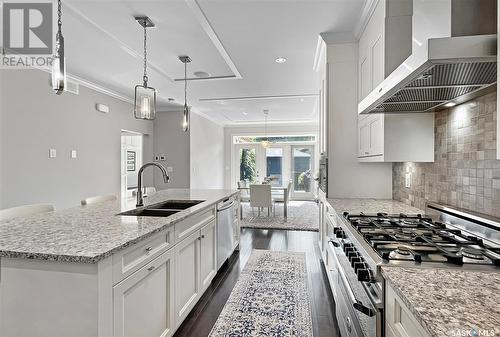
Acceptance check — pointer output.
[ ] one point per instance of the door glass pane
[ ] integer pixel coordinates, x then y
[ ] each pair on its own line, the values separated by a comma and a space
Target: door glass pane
274, 164
248, 165
302, 161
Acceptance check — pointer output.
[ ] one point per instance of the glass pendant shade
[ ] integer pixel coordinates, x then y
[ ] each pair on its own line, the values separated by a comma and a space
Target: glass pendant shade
185, 118
144, 102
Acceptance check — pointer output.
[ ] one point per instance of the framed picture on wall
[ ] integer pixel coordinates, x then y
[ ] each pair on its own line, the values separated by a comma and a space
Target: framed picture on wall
130, 160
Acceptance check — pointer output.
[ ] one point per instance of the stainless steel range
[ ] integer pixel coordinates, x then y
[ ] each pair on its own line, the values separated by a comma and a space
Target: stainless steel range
359, 244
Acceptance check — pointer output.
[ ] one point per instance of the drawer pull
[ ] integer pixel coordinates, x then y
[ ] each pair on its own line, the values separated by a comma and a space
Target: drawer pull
199, 238
151, 268
148, 250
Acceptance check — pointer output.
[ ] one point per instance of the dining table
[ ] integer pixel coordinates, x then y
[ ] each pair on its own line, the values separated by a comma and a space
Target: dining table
274, 188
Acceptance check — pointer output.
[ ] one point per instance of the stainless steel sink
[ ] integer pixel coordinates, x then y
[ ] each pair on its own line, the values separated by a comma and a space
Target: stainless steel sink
150, 212
164, 208
175, 204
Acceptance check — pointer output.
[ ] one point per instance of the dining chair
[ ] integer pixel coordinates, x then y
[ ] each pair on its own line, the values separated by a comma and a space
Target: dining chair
97, 199
260, 197
244, 194
25, 210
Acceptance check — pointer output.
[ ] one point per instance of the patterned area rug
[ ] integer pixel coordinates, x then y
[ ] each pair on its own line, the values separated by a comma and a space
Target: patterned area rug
271, 298
302, 216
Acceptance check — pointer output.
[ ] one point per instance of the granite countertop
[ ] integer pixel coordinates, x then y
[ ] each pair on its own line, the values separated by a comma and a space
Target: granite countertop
449, 302
372, 206
91, 233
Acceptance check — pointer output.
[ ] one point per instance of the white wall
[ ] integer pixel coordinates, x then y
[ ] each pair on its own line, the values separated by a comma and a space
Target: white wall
171, 141
207, 153
272, 129
33, 120
348, 178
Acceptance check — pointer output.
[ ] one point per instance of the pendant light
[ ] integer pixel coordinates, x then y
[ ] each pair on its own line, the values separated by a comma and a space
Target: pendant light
185, 112
59, 62
145, 97
265, 143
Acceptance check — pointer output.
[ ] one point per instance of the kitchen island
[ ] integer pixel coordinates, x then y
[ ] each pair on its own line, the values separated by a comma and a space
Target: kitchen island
87, 271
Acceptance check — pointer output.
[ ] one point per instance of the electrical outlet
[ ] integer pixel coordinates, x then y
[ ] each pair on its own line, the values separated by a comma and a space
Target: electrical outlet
170, 169
52, 153
73, 154
408, 180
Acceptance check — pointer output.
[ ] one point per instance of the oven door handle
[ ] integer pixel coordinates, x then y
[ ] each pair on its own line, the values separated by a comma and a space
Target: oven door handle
356, 303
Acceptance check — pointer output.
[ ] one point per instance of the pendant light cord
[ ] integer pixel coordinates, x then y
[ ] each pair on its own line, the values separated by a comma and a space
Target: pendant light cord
59, 16
185, 84
145, 76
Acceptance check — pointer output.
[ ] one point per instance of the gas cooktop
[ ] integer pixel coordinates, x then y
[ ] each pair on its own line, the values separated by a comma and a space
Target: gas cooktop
420, 239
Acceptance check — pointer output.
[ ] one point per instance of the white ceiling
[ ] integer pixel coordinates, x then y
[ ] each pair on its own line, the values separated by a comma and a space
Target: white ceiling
235, 41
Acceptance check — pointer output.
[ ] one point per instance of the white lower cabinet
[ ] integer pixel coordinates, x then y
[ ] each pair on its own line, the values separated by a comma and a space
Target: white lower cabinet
143, 302
187, 275
399, 321
208, 251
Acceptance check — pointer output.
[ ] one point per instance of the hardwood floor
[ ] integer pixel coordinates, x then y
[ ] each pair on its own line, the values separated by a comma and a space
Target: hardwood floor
203, 317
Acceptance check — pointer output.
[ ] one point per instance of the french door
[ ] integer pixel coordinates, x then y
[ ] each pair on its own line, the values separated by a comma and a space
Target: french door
302, 171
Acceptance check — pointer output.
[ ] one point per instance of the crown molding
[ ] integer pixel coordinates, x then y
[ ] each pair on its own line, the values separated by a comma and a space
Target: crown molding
365, 16
337, 38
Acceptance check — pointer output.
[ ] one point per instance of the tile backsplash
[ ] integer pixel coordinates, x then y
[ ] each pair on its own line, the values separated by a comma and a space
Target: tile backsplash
465, 173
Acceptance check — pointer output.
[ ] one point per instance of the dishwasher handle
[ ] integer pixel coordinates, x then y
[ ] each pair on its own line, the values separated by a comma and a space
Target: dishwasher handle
225, 206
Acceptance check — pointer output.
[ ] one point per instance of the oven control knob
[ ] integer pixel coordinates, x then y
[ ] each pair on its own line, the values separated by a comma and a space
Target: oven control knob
359, 265
349, 249
364, 274
340, 234
354, 260
352, 254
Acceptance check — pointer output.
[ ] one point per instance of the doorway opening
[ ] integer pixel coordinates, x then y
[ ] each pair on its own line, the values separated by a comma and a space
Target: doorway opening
288, 158
131, 161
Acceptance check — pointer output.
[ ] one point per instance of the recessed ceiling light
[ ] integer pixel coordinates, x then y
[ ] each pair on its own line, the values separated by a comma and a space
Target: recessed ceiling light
450, 104
302, 100
201, 74
280, 60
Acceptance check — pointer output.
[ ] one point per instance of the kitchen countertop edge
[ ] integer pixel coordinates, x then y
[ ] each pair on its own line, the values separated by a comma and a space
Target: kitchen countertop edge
180, 216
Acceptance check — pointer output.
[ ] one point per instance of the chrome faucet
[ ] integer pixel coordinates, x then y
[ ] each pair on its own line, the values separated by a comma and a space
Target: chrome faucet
166, 178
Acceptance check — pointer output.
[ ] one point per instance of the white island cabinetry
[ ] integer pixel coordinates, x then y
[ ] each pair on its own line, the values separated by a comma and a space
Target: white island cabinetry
145, 289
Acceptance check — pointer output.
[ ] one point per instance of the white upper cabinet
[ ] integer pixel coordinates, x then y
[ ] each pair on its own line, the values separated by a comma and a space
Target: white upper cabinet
396, 137
384, 44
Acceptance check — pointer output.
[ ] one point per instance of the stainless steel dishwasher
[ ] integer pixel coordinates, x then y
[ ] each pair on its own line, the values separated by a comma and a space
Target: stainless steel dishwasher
225, 235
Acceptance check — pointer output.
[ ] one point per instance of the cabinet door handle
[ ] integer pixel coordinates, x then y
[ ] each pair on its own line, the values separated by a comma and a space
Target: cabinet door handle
148, 250
199, 238
151, 268
203, 236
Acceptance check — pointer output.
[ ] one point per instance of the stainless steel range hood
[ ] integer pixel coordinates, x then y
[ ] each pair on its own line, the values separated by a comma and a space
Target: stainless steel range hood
439, 73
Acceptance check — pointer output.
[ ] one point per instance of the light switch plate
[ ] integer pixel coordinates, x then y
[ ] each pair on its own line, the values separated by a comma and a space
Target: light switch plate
73, 154
52, 153
408, 180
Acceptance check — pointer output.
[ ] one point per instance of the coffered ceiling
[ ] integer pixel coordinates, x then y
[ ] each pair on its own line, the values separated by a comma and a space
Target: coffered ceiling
235, 41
